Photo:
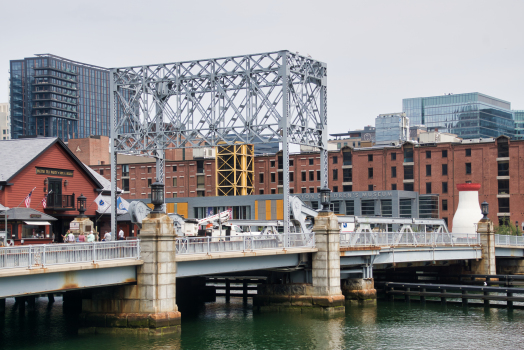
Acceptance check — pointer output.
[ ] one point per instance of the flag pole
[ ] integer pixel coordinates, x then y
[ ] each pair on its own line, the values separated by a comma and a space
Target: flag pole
23, 200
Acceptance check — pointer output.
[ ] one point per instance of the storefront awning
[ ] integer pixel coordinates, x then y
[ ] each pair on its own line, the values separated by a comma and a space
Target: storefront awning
37, 223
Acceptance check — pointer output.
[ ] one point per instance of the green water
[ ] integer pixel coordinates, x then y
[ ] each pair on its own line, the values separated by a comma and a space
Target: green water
236, 326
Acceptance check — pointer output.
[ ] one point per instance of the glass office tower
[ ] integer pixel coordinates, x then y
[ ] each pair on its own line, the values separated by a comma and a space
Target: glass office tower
56, 97
472, 115
519, 124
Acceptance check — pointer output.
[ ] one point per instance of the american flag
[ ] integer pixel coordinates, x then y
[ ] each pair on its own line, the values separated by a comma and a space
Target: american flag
44, 200
28, 199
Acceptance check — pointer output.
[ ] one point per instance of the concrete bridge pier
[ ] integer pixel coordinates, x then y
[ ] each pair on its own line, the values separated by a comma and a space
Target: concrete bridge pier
359, 290
149, 307
487, 265
2, 306
323, 293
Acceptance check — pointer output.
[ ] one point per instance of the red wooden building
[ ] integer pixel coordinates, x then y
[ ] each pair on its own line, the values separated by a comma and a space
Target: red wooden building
44, 167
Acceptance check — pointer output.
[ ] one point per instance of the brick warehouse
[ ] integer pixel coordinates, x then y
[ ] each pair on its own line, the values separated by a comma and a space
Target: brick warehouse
426, 168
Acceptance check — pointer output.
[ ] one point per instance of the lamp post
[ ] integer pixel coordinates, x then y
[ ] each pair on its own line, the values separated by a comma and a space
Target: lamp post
81, 205
485, 210
157, 196
325, 199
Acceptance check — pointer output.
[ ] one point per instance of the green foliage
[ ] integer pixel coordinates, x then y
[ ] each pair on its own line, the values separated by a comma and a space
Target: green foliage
508, 228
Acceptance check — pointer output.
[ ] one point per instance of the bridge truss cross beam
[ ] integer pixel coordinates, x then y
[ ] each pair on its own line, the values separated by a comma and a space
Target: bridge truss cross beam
251, 99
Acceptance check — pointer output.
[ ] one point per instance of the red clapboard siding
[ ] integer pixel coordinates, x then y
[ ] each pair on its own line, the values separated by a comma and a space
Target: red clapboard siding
54, 157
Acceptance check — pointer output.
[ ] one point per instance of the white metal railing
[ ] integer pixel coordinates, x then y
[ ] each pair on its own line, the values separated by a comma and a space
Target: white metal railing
509, 241
242, 243
392, 239
42, 255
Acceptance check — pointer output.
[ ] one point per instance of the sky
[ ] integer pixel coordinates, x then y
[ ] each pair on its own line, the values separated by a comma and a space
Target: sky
377, 52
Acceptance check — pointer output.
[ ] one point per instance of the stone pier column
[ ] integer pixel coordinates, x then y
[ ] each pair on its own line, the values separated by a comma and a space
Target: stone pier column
324, 292
149, 307
487, 265
359, 290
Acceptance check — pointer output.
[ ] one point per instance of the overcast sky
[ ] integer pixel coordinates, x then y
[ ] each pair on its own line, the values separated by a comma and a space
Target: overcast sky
378, 52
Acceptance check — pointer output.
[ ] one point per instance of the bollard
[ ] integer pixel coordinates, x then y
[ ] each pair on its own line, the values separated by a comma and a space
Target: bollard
407, 296
228, 290
244, 290
465, 298
391, 295
51, 297
423, 297
486, 301
510, 302
443, 299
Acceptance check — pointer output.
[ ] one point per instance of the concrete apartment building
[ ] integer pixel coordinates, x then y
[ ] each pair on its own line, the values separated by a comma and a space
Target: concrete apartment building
5, 122
433, 170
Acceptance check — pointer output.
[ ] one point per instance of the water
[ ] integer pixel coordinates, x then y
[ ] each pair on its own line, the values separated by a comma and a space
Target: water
236, 326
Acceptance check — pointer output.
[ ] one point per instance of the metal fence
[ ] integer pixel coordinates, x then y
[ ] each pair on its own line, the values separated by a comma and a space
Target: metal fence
42, 255
392, 239
207, 245
509, 241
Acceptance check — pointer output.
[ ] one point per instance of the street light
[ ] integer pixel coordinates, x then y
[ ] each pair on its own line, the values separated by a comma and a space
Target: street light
81, 205
157, 196
325, 198
485, 210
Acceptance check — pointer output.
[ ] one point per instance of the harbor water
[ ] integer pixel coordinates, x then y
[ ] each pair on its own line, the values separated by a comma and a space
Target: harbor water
234, 325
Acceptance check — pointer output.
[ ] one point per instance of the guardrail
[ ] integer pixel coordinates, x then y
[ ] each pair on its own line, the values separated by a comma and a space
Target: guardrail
393, 239
509, 241
42, 255
242, 243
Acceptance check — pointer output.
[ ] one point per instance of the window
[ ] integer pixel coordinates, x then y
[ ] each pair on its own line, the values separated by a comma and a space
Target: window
468, 168
335, 188
393, 171
101, 171
311, 161
503, 205
335, 174
280, 162
201, 181
148, 182
318, 175
175, 195
311, 175
346, 158
125, 169
370, 157
503, 169
393, 187
444, 169
468, 152
444, 205
303, 176
368, 207
444, 153
408, 172
350, 207
272, 163
311, 190
291, 162
260, 191
291, 190
149, 169
174, 167
370, 187
201, 193
200, 166
428, 187
335, 160
125, 185
261, 178
347, 175
428, 169
444, 187
280, 178
428, 154
503, 186
502, 148
273, 191
408, 187
370, 173
393, 156
304, 190
291, 176
175, 182
335, 207
405, 207
272, 177
408, 155
347, 188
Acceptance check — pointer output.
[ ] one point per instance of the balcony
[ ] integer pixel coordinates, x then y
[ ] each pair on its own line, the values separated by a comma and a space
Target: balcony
61, 202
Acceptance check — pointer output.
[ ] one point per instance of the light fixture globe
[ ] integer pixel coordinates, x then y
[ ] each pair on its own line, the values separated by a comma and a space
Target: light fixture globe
485, 210
81, 205
325, 198
157, 196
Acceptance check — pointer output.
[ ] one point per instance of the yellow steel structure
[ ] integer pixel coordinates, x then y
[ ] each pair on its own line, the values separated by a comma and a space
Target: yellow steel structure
235, 170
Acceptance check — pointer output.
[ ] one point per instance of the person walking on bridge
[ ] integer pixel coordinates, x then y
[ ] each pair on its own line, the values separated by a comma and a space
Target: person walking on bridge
90, 237
70, 237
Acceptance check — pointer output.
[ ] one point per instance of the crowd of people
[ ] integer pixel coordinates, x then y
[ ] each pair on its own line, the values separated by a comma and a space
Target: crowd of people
69, 237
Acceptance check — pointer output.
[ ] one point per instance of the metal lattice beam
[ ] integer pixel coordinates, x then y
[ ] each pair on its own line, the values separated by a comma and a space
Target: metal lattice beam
253, 99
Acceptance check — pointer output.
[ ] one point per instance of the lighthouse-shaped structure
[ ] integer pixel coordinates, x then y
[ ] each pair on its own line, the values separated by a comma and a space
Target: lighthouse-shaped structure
468, 213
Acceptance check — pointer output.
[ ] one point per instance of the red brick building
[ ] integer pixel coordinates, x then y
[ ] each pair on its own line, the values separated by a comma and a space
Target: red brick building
426, 168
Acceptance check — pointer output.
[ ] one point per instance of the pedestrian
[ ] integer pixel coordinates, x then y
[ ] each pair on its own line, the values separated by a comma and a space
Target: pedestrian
64, 237
90, 237
71, 237
121, 234
107, 236
81, 237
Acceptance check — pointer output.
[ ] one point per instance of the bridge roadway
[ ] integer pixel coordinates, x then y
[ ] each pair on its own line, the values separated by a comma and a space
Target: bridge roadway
40, 269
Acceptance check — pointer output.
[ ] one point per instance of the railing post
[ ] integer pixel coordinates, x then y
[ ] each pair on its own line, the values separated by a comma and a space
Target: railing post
43, 256
208, 244
30, 257
244, 242
94, 252
138, 249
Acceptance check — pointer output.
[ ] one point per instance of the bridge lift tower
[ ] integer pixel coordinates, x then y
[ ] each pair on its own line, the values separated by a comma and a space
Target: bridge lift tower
249, 99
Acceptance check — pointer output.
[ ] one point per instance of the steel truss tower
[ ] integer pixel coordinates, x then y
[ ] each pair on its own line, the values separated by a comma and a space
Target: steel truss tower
250, 99
235, 170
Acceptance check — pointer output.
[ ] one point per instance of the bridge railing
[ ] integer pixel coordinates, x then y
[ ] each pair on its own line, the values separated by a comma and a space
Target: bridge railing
42, 255
509, 241
208, 245
359, 239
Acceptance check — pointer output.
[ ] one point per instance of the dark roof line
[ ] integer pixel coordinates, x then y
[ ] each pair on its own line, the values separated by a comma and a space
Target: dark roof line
71, 61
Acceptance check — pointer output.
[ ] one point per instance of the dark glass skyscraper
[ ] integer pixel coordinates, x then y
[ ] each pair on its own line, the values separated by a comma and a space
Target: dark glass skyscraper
472, 115
57, 97
519, 124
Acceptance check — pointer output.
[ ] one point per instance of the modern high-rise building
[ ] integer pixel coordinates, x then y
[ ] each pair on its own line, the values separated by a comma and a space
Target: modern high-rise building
391, 128
519, 124
469, 116
57, 97
5, 122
